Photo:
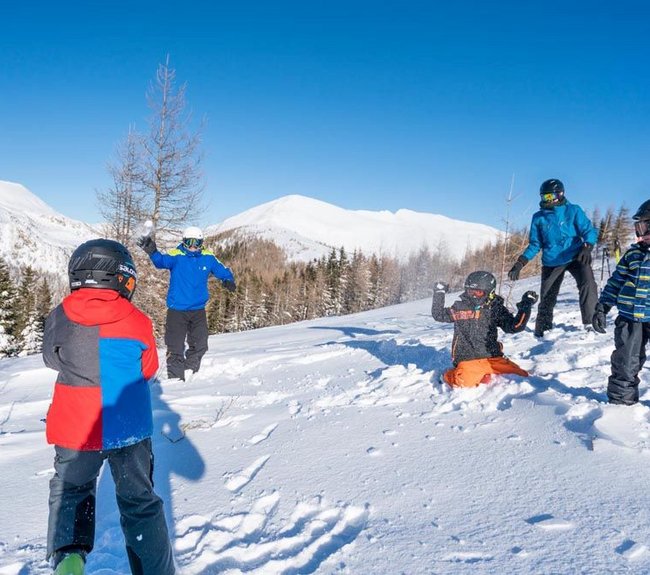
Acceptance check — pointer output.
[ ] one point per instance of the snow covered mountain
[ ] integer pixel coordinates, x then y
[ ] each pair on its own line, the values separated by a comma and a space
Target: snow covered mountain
33, 234
309, 228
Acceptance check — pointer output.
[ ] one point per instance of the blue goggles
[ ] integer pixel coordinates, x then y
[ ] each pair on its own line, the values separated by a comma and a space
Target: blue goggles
192, 242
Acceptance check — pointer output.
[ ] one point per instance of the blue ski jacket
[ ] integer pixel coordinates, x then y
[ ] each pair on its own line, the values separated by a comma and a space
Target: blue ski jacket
628, 288
559, 232
189, 272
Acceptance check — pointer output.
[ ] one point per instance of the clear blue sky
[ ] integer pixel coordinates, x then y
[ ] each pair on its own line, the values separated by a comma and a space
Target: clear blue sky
430, 106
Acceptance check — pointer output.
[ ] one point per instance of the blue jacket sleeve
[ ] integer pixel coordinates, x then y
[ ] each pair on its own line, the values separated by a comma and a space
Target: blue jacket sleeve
162, 261
220, 271
585, 228
534, 240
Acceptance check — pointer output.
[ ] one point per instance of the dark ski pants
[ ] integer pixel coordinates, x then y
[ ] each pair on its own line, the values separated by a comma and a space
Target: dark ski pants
71, 523
179, 326
552, 277
628, 357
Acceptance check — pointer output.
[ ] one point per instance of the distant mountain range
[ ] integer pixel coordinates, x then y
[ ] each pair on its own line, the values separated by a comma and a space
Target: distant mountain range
32, 233
307, 228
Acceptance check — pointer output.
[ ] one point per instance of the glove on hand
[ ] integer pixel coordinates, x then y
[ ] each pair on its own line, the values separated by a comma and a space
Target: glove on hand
513, 274
441, 287
599, 322
527, 300
584, 255
230, 285
147, 244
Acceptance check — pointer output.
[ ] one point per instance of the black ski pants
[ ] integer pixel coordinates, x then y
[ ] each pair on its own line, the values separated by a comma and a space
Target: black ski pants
628, 357
552, 277
179, 326
71, 523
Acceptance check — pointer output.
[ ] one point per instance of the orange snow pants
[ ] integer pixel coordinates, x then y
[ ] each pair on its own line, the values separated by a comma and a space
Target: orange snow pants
476, 371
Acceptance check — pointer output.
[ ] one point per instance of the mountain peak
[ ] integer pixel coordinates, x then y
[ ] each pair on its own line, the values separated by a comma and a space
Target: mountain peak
319, 226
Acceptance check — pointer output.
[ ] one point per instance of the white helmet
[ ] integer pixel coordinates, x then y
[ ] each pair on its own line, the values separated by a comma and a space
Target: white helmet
193, 233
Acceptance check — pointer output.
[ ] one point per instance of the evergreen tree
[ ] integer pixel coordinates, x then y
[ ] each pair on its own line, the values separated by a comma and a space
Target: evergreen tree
25, 312
8, 301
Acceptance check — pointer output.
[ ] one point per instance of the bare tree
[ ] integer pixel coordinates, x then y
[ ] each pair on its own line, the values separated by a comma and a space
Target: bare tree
171, 165
122, 205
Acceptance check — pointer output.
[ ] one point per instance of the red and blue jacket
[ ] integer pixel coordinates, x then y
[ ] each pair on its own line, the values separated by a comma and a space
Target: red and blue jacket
104, 351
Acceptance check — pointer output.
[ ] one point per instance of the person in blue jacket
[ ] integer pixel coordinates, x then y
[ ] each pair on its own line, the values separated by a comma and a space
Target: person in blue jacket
566, 236
190, 266
627, 289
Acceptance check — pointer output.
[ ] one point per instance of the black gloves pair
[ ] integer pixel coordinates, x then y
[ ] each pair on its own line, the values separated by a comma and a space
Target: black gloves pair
527, 300
599, 322
515, 270
584, 255
148, 244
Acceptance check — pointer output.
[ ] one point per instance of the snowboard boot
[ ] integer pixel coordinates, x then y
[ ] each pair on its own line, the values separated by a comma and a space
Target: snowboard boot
71, 564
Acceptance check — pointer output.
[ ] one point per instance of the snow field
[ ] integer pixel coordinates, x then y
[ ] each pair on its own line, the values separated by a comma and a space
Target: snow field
330, 447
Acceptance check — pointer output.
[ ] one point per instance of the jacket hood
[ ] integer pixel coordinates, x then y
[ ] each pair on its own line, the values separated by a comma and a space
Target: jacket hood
187, 252
94, 306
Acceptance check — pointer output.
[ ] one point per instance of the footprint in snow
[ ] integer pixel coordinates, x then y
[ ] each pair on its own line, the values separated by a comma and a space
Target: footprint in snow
547, 522
264, 434
257, 541
237, 482
631, 550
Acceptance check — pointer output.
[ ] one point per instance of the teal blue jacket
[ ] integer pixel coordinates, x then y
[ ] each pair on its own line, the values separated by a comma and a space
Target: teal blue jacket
189, 273
629, 286
559, 232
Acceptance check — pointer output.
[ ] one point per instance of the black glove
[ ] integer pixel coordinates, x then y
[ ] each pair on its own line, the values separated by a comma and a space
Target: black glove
600, 320
147, 244
584, 255
441, 287
513, 274
527, 300
230, 285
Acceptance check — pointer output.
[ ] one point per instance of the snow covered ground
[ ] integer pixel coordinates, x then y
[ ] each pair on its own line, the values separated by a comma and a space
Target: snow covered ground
329, 447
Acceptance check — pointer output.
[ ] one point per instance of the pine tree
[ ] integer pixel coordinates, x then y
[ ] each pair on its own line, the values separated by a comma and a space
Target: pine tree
8, 301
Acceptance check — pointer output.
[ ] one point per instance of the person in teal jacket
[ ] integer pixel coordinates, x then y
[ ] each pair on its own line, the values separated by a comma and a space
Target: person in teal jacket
566, 237
190, 266
628, 289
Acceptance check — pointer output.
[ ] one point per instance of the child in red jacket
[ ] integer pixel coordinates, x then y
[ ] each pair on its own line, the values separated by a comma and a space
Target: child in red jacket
475, 349
104, 351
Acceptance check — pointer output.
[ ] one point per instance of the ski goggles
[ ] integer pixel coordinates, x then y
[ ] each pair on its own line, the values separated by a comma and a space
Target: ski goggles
552, 197
192, 242
475, 292
642, 228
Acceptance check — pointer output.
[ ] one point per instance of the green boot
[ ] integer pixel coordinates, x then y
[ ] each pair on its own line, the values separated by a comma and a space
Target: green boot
72, 564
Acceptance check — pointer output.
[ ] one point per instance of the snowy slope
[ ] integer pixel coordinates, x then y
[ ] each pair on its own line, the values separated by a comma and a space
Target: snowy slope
310, 228
328, 447
32, 233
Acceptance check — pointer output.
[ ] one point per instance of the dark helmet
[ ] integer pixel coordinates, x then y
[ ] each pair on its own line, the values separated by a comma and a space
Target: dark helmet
483, 281
643, 213
103, 264
552, 186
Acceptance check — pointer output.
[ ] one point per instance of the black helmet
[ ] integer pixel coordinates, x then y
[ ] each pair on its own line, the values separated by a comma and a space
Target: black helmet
103, 264
552, 186
643, 213
483, 281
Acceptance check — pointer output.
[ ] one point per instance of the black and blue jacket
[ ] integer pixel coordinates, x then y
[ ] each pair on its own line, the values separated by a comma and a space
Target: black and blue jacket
628, 287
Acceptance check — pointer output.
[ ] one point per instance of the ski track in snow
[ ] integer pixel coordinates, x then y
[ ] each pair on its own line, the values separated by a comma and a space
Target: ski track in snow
268, 531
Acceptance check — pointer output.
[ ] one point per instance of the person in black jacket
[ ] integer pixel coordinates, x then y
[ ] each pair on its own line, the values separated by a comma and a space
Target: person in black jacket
475, 350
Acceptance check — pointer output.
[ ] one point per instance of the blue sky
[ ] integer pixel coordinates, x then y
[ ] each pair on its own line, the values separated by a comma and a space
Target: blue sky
430, 106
